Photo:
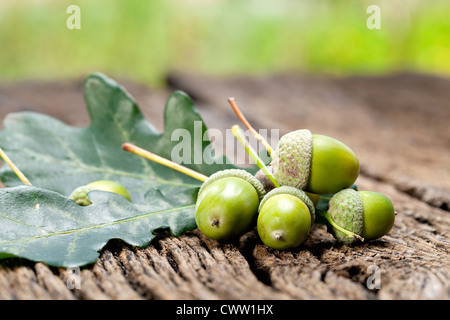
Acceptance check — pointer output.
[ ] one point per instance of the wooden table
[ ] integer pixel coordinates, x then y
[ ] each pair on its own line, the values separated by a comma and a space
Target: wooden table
399, 125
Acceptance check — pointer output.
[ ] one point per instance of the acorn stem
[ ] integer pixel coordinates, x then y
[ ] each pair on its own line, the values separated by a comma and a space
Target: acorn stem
329, 218
16, 170
239, 135
254, 133
163, 161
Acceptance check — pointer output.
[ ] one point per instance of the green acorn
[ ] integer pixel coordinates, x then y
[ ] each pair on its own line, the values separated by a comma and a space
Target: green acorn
315, 163
364, 215
227, 204
286, 215
80, 195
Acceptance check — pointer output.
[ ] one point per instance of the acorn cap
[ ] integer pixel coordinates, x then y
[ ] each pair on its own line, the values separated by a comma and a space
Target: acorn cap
293, 192
238, 173
80, 195
291, 164
346, 209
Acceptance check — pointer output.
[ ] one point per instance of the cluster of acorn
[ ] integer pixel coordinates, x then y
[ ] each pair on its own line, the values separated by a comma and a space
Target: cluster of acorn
281, 199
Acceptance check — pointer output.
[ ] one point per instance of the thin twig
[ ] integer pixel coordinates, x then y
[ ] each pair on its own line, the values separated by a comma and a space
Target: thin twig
254, 133
163, 161
239, 135
16, 170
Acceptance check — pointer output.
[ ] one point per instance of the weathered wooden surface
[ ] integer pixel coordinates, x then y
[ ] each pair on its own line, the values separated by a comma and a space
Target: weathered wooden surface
398, 126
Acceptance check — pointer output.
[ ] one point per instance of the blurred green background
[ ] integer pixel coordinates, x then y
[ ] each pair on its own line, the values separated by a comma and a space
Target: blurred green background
144, 40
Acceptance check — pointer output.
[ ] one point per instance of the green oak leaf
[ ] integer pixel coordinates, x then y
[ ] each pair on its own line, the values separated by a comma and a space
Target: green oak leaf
40, 223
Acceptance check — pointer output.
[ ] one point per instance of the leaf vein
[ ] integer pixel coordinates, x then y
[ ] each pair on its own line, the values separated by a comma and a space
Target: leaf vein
99, 226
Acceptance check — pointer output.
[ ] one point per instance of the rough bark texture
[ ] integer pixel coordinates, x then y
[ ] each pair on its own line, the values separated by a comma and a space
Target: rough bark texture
399, 127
